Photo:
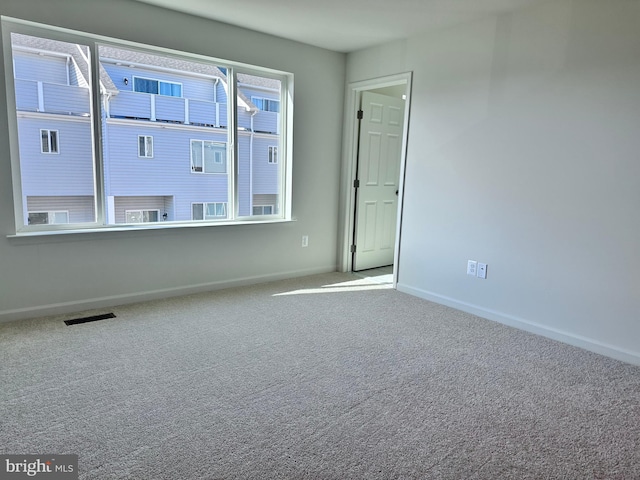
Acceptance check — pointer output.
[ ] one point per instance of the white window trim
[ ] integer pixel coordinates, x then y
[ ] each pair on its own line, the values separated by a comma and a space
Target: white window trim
263, 207
141, 210
204, 204
146, 155
215, 157
133, 85
271, 100
48, 130
49, 214
92, 41
272, 155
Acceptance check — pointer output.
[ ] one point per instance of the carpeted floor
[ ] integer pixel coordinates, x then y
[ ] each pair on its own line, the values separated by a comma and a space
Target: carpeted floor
326, 377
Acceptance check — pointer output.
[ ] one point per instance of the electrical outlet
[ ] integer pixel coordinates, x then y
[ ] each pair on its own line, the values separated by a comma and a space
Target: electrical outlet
482, 270
305, 240
472, 267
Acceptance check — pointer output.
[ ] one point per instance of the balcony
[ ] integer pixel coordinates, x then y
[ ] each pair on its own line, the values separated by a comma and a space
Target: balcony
45, 97
266, 122
160, 108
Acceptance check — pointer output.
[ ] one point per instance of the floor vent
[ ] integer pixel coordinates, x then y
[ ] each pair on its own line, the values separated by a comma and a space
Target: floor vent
95, 318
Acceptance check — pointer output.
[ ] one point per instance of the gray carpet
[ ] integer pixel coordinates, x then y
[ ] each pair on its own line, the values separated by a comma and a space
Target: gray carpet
326, 377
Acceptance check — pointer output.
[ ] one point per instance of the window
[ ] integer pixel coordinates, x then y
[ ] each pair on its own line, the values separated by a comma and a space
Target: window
215, 140
49, 141
145, 146
141, 216
147, 85
208, 156
266, 104
48, 218
208, 211
263, 209
273, 154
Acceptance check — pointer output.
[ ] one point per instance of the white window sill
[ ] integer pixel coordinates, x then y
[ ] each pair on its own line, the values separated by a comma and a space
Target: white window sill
142, 227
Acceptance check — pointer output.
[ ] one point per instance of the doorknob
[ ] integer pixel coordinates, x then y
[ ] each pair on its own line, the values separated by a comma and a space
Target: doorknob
396, 193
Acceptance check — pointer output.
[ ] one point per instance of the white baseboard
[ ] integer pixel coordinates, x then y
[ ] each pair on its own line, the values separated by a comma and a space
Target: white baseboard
114, 300
522, 324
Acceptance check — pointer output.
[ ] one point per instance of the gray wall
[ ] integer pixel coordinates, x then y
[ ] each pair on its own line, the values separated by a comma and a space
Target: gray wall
524, 153
69, 272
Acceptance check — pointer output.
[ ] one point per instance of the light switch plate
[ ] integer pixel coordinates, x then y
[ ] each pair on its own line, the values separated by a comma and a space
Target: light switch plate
482, 270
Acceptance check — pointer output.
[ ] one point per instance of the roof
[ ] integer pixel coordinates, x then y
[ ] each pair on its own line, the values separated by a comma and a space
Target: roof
79, 53
167, 61
264, 82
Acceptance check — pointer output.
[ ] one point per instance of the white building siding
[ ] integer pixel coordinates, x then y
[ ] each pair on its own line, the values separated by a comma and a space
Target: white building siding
30, 66
75, 75
69, 172
221, 92
244, 174
259, 92
66, 99
26, 95
204, 113
198, 88
266, 176
170, 109
266, 122
130, 105
224, 121
244, 118
169, 171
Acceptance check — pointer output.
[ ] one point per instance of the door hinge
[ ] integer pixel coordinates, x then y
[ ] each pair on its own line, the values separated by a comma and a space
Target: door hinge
353, 249
356, 183
360, 114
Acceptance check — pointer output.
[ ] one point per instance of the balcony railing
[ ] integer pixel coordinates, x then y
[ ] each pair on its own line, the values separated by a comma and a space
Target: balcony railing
73, 100
160, 108
52, 98
266, 122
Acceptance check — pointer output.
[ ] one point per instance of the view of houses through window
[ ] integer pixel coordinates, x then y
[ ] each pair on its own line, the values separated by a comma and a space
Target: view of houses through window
167, 152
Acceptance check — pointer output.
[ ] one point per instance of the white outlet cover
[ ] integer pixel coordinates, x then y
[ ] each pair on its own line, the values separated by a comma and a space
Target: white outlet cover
472, 266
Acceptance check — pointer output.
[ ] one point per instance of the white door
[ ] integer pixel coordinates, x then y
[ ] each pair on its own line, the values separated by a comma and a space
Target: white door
378, 176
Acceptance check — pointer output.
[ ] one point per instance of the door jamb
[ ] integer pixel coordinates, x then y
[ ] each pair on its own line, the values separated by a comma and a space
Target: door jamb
350, 164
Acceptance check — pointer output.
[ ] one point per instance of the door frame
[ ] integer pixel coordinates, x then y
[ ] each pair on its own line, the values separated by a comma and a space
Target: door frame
350, 164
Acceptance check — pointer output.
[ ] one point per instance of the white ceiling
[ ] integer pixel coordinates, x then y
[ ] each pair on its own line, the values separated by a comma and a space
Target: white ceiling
342, 25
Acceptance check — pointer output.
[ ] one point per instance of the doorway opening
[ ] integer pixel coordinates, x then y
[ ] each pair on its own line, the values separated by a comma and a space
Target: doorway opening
377, 113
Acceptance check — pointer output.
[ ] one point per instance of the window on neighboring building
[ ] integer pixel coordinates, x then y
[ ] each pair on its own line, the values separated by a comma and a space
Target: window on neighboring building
214, 142
141, 216
266, 104
208, 156
49, 141
263, 209
208, 211
48, 218
148, 85
273, 155
145, 146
